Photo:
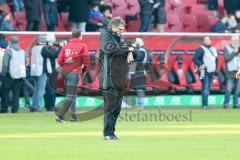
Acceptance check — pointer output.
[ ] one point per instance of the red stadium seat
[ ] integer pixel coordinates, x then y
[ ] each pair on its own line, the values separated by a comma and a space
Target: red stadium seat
173, 22
43, 26
202, 1
205, 23
20, 21
60, 27
64, 20
189, 23
132, 7
133, 26
189, 1
206, 13
192, 8
173, 8
180, 69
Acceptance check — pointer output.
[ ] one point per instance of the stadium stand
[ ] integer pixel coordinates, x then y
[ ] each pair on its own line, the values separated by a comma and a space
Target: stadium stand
175, 12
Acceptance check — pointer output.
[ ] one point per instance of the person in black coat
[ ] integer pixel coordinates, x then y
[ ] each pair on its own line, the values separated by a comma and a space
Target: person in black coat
79, 14
33, 14
145, 13
231, 6
50, 14
114, 56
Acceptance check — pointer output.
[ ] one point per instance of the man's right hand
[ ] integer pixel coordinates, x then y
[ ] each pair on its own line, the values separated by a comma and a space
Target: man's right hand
130, 57
130, 49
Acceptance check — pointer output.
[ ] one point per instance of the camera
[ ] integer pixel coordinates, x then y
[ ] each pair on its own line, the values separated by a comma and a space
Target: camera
56, 43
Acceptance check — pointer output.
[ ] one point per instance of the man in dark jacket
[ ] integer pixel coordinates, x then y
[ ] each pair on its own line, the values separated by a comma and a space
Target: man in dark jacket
33, 14
79, 14
145, 13
206, 61
114, 56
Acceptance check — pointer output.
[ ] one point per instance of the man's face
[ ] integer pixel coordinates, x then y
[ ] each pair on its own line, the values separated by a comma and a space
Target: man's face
235, 41
119, 29
207, 41
107, 13
224, 20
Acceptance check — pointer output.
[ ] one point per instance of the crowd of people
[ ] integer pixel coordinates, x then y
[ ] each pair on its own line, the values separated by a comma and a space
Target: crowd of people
85, 15
19, 75
91, 15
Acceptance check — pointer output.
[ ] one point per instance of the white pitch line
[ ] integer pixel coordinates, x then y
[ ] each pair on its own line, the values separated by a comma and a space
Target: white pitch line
124, 133
225, 126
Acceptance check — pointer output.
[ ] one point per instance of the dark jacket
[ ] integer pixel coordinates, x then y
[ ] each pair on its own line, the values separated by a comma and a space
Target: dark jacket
231, 6
79, 10
145, 7
52, 54
198, 57
50, 12
113, 64
219, 27
33, 9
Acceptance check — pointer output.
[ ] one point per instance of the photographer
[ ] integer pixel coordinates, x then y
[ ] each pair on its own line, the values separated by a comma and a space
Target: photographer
41, 66
232, 60
50, 51
206, 60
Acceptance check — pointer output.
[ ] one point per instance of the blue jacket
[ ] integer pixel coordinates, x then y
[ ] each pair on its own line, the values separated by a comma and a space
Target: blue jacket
219, 27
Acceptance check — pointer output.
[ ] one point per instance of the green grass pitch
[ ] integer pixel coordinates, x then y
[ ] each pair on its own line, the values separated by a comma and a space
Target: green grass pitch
212, 134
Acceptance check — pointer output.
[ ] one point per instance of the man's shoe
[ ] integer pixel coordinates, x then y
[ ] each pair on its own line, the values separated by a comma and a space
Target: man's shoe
204, 107
34, 110
74, 119
3, 111
27, 106
226, 107
236, 107
59, 119
110, 138
115, 137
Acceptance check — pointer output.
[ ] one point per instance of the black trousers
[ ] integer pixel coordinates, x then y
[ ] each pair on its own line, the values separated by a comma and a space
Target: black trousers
112, 108
8, 85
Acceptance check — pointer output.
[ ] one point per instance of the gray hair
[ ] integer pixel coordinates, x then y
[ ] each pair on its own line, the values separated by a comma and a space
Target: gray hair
116, 21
